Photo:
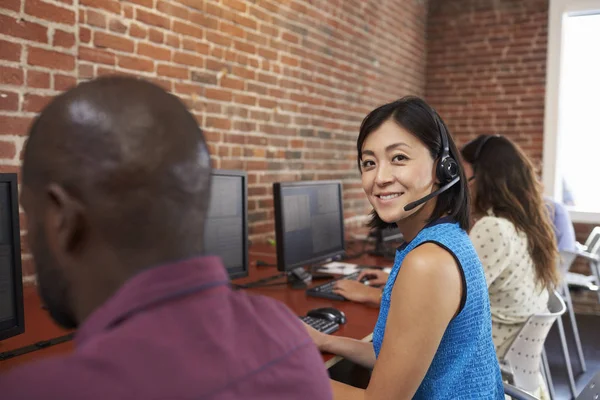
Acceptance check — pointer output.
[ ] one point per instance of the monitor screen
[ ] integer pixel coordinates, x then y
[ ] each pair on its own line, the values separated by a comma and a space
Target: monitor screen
11, 280
309, 222
226, 227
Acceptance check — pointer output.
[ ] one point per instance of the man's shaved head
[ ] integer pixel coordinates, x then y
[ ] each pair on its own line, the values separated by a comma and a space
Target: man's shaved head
128, 161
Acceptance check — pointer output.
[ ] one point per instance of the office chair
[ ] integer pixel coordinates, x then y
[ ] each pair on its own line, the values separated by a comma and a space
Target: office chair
566, 260
591, 390
521, 363
590, 251
517, 394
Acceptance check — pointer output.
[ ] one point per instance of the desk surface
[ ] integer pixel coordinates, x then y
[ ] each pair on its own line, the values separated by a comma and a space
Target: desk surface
361, 318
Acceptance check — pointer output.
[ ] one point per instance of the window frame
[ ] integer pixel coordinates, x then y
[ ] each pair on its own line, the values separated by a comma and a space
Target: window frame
558, 12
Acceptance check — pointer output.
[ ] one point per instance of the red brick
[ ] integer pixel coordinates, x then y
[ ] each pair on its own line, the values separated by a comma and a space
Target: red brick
152, 19
232, 83
10, 51
64, 82
245, 47
156, 36
9, 101
102, 71
138, 31
14, 125
197, 4
231, 30
173, 41
235, 4
245, 99
127, 11
85, 35
187, 29
11, 76
115, 25
96, 55
49, 12
218, 123
112, 6
13, 5
188, 59
35, 102
204, 20
23, 29
145, 3
217, 38
95, 18
171, 8
173, 72
85, 71
218, 94
50, 59
136, 63
7, 150
195, 46
110, 41
63, 39
38, 79
154, 52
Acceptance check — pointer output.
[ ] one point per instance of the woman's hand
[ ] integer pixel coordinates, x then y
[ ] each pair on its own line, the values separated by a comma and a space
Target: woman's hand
319, 338
358, 292
374, 276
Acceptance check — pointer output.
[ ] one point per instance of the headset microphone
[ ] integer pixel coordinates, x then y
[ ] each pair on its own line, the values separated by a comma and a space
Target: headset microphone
430, 196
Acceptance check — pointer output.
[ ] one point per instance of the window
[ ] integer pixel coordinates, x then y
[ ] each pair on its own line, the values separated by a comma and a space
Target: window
571, 126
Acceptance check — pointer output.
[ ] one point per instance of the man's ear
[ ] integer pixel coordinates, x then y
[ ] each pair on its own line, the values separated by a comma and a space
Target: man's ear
65, 219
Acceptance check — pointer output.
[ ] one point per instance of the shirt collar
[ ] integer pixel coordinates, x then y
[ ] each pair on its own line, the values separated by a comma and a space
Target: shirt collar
154, 286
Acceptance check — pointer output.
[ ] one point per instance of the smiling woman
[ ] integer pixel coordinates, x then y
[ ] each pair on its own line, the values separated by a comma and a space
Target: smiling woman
433, 335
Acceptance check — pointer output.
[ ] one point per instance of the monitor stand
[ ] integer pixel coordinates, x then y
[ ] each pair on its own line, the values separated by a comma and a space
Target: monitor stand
299, 278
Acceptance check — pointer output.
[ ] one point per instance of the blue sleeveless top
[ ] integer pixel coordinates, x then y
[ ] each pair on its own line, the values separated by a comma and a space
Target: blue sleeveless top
465, 364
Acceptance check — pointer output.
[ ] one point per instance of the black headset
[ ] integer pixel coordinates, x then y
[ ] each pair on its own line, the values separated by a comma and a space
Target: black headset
446, 169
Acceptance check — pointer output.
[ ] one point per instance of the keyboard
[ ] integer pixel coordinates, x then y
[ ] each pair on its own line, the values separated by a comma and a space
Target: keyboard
322, 325
325, 290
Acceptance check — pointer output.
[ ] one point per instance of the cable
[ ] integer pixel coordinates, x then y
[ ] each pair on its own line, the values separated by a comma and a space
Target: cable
261, 282
261, 263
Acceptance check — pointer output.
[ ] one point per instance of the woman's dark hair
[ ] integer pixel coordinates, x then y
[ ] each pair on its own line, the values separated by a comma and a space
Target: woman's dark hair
420, 119
506, 182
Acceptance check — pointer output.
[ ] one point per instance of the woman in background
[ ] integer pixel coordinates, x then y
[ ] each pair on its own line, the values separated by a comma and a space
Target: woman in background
512, 233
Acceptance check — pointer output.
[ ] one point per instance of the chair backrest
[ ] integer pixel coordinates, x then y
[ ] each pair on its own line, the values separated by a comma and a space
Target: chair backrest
523, 355
517, 394
592, 243
591, 390
565, 260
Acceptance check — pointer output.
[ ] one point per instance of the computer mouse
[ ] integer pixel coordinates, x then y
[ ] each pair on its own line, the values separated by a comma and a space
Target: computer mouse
328, 313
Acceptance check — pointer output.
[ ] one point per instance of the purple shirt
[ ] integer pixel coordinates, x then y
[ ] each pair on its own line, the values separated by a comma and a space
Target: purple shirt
178, 332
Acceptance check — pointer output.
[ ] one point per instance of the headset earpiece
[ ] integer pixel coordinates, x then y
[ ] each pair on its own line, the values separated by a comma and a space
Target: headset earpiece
447, 167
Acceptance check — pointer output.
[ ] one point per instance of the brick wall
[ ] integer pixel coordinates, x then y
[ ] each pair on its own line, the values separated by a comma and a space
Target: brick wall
279, 86
486, 68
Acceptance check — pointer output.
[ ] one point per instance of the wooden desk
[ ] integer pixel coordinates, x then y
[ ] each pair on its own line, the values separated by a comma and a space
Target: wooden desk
361, 318
38, 326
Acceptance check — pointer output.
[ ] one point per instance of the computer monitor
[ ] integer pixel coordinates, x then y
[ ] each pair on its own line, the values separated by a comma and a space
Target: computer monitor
309, 223
12, 320
383, 237
226, 226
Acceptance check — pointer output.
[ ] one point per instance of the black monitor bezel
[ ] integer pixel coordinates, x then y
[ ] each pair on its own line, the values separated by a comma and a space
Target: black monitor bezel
19, 320
279, 236
237, 274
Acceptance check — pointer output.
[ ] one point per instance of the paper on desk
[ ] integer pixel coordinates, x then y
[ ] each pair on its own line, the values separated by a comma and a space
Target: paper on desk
336, 267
